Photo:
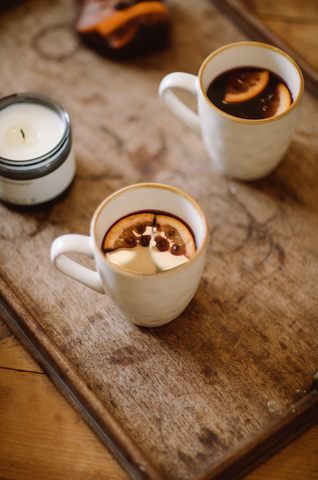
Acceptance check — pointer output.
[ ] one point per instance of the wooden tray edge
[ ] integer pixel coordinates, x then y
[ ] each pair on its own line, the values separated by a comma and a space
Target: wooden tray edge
234, 465
66, 378
258, 31
251, 453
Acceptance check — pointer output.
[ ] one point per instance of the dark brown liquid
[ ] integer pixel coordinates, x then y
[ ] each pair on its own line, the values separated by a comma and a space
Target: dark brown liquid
263, 105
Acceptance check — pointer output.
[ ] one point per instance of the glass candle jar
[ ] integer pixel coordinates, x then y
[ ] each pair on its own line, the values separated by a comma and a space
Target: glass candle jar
37, 161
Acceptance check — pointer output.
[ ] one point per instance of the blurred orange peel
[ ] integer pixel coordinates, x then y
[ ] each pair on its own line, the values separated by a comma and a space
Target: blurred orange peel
121, 26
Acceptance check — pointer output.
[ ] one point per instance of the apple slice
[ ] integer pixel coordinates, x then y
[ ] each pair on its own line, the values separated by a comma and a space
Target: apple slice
137, 259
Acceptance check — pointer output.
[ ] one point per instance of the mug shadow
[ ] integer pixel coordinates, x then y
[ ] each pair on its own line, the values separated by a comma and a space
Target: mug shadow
295, 179
199, 343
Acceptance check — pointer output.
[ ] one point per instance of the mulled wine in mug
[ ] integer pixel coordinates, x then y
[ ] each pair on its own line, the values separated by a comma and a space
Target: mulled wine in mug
248, 98
148, 242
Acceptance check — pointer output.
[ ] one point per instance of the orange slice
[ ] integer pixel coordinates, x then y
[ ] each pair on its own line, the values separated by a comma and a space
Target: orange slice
174, 236
168, 243
173, 243
276, 102
99, 16
245, 85
127, 232
122, 36
282, 98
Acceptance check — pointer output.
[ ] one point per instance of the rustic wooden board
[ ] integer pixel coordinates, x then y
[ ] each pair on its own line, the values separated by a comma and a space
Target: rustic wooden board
294, 22
229, 379
42, 436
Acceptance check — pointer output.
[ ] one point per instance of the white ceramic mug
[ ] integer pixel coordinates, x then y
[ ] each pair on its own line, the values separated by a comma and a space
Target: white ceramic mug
241, 148
148, 300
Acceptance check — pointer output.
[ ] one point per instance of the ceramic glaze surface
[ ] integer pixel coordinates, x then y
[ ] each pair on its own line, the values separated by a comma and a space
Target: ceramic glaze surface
151, 300
147, 300
245, 151
241, 148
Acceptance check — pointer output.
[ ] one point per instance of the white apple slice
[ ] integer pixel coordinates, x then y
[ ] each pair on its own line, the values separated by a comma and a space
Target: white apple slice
137, 259
165, 260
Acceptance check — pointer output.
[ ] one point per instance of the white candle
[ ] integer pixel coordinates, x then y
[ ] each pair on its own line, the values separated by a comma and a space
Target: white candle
37, 161
29, 130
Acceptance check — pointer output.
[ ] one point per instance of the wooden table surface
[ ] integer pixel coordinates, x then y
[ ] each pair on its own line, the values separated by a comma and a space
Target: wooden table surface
41, 435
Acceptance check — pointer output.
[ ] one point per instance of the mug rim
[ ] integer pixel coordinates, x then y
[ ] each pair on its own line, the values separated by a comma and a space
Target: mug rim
160, 186
267, 46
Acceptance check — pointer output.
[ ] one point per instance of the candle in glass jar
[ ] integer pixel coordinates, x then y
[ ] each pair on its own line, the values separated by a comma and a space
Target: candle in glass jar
29, 130
37, 162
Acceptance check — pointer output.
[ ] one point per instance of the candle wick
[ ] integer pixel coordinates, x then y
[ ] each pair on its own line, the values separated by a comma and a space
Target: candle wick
22, 134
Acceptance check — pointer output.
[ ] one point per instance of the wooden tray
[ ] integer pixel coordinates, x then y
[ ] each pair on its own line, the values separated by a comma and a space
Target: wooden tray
230, 381
292, 27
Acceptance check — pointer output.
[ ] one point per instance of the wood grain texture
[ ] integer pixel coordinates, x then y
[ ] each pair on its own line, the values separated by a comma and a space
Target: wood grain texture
78, 393
272, 23
245, 350
42, 437
232, 465
295, 23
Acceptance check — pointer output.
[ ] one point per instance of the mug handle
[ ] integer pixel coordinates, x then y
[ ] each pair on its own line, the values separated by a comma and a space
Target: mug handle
74, 243
187, 82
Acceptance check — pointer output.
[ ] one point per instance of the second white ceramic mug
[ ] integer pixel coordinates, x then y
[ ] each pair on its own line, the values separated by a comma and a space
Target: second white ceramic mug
148, 300
241, 148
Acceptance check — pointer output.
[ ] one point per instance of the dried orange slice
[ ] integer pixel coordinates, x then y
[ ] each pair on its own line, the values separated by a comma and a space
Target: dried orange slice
126, 232
173, 243
176, 234
148, 243
244, 85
